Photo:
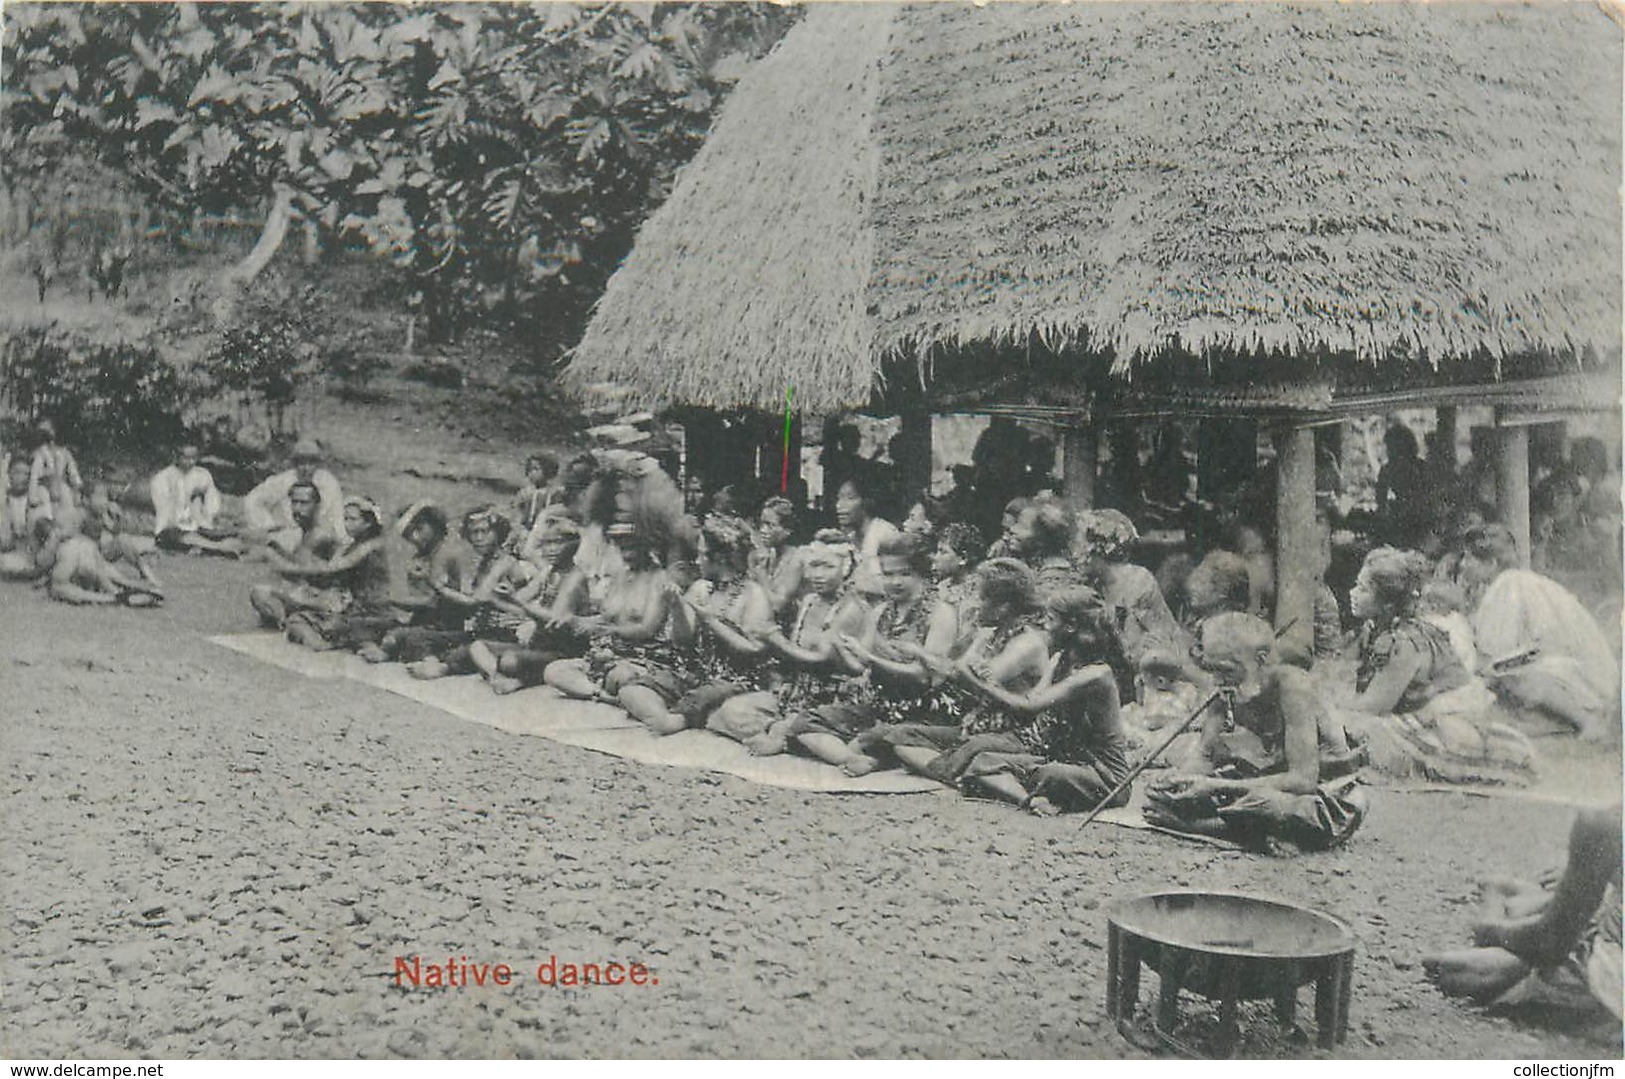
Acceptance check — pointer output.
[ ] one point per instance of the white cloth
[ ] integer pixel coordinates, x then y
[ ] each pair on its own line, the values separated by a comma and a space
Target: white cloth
266, 507
866, 575
186, 501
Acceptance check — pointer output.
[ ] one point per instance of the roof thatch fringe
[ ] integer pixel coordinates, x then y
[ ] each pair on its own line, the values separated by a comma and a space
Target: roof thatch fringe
1126, 179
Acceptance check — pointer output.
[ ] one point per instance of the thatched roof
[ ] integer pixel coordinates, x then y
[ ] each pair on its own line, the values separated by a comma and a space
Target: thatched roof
1116, 183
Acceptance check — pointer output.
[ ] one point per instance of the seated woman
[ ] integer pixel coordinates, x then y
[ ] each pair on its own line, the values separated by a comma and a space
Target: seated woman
958, 550
135, 554
420, 558
624, 616
1564, 935
855, 514
718, 648
1005, 546
552, 594
1009, 653
824, 609
1043, 539
1104, 540
354, 583
898, 685
487, 605
1286, 772
776, 563
1421, 713
1074, 750
1547, 660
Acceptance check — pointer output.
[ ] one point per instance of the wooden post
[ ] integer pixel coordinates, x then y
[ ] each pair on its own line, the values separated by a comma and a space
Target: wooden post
915, 465
1297, 544
1512, 482
1079, 447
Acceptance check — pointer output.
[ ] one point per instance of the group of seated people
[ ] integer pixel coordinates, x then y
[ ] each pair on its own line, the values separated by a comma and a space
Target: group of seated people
1037, 668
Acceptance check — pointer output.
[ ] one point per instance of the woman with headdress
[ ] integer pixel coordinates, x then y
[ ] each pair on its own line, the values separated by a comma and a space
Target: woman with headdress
1144, 622
1009, 651
810, 669
897, 684
716, 647
1422, 713
625, 614
353, 584
1071, 747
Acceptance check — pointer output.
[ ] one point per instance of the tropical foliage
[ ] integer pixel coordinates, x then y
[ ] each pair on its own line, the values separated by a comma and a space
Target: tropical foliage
499, 156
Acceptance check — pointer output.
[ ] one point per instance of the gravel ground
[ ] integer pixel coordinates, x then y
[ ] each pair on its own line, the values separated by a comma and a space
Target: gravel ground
208, 857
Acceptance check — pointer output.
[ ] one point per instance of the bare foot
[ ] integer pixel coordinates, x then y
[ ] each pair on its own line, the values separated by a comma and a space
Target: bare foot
1043, 807
503, 684
372, 653
765, 745
860, 765
1476, 973
670, 723
426, 669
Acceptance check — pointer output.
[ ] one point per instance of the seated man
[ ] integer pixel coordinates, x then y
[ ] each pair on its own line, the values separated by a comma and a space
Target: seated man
186, 504
294, 589
1285, 773
79, 573
121, 549
268, 510
1565, 935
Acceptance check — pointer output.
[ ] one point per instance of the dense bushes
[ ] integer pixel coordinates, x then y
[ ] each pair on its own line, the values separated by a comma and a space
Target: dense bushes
108, 394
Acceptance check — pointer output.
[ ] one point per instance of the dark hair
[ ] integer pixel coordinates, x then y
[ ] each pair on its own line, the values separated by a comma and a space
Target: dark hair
431, 516
1052, 528
1016, 506
781, 508
1230, 581
964, 540
1082, 608
315, 492
909, 546
1400, 441
375, 520
500, 525
1492, 543
1009, 583
726, 540
548, 463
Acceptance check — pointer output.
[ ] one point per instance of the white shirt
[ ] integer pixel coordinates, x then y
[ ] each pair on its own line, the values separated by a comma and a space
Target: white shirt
266, 507
186, 501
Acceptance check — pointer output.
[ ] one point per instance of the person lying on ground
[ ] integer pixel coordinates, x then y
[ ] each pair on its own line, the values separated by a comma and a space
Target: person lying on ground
1564, 934
486, 604
808, 670
775, 563
79, 574
186, 508
294, 567
718, 648
897, 685
356, 579
1421, 713
1287, 771
1007, 659
1073, 748
268, 514
510, 667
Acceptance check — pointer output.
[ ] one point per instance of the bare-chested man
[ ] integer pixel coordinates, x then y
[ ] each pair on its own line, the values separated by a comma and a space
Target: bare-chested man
307, 556
79, 572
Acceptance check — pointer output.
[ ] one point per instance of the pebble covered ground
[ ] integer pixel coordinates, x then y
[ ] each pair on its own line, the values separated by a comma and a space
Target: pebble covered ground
209, 857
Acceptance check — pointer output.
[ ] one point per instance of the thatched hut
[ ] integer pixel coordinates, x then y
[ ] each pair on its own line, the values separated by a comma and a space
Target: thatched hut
1110, 208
